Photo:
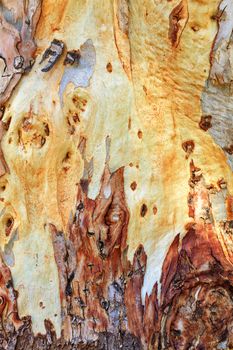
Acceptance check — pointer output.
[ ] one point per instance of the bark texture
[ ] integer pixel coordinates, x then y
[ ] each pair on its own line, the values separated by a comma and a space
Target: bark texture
116, 186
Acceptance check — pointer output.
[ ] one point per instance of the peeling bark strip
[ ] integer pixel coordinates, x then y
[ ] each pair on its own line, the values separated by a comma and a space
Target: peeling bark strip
196, 293
18, 32
217, 97
121, 32
8, 297
17, 49
100, 283
177, 22
51, 55
101, 289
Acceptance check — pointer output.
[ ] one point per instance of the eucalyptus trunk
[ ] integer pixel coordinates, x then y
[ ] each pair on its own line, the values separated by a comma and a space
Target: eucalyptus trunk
116, 185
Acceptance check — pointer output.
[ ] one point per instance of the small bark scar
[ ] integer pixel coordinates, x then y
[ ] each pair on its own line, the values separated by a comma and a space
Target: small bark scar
178, 19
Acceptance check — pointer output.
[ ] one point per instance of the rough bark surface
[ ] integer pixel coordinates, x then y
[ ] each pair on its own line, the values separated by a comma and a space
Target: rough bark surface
116, 206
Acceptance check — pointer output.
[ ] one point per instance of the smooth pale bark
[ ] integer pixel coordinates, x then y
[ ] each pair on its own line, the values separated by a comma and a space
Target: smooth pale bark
116, 174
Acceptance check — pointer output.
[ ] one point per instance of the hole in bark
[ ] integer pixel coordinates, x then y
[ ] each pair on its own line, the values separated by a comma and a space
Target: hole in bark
76, 118
195, 28
67, 157
109, 67
155, 210
222, 184
80, 206
139, 134
143, 210
229, 149
205, 122
41, 305
46, 129
8, 223
3, 185
133, 185
2, 111
188, 146
72, 57
90, 233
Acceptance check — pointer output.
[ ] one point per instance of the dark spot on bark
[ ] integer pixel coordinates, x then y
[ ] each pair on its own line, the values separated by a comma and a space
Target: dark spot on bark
109, 67
72, 57
222, 184
2, 111
81, 303
69, 284
80, 206
224, 336
133, 185
41, 305
8, 225
43, 140
144, 89
176, 332
104, 304
205, 122
86, 290
195, 28
188, 146
18, 62
117, 287
229, 149
143, 210
9, 222
129, 123
155, 210
67, 157
46, 129
100, 246
9, 284
76, 117
139, 134
90, 233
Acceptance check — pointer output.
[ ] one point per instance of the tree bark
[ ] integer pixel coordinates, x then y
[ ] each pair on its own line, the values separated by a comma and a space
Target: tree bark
116, 186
